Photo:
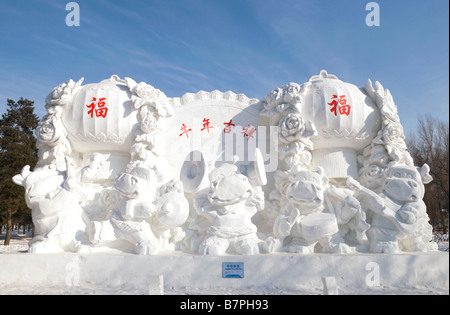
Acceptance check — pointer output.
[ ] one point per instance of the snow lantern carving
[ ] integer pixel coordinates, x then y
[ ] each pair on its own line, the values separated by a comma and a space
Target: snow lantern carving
101, 119
346, 119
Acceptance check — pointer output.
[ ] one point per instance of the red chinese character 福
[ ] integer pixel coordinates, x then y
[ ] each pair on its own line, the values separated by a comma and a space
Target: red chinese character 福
228, 126
206, 125
185, 130
101, 111
248, 132
344, 108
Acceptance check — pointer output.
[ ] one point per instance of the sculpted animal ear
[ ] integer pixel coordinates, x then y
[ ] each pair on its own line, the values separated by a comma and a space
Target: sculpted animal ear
424, 172
20, 179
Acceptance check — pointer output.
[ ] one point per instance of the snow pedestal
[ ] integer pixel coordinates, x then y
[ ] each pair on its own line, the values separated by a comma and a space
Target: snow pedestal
354, 273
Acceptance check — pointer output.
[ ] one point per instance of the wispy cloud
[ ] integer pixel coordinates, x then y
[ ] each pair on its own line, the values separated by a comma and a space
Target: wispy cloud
51, 43
173, 74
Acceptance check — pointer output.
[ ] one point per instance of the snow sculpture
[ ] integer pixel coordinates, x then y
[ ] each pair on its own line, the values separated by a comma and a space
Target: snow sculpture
228, 205
57, 216
349, 132
309, 222
346, 119
99, 174
112, 172
151, 223
398, 215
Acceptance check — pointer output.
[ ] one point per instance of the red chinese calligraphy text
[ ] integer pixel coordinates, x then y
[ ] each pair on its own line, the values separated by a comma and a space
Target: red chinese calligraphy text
98, 107
206, 125
185, 130
339, 103
248, 132
228, 126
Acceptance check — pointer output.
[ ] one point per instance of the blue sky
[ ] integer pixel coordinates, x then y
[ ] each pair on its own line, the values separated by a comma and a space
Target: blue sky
247, 46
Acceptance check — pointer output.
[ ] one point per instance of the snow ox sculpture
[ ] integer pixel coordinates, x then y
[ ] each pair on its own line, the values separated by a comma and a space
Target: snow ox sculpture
316, 167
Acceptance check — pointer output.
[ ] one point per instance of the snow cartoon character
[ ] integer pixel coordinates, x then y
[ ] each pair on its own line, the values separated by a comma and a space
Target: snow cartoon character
228, 205
305, 221
140, 217
58, 218
397, 216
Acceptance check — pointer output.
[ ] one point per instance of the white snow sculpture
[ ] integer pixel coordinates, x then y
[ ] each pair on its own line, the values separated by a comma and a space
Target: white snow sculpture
397, 216
228, 205
349, 132
57, 216
347, 120
112, 173
148, 221
308, 217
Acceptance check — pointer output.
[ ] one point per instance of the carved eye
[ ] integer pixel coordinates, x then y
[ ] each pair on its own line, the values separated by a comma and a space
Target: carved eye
409, 176
397, 174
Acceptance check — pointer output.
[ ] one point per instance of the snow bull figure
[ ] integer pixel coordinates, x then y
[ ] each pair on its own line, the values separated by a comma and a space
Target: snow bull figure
148, 221
57, 216
309, 223
398, 217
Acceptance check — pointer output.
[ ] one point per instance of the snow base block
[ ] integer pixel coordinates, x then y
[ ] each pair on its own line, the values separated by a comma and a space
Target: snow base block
354, 273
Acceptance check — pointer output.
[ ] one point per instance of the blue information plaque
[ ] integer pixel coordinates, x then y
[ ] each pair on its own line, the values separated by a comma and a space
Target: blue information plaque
233, 270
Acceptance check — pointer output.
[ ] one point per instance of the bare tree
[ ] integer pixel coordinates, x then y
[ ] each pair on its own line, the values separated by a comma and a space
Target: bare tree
430, 144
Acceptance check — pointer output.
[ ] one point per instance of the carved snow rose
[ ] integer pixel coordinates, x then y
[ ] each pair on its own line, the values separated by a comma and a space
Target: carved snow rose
292, 128
62, 94
149, 122
110, 198
392, 133
46, 131
51, 131
284, 96
145, 90
374, 175
145, 94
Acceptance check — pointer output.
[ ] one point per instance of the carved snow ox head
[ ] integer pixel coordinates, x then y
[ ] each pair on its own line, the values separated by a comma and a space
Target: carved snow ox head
228, 186
406, 183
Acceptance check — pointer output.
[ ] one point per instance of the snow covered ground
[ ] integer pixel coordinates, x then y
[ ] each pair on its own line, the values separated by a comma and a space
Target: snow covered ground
19, 244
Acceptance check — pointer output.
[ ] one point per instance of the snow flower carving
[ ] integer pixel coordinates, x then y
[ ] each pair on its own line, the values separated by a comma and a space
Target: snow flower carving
110, 198
286, 99
373, 176
62, 94
393, 135
393, 139
288, 94
291, 129
146, 95
51, 131
149, 122
293, 135
147, 91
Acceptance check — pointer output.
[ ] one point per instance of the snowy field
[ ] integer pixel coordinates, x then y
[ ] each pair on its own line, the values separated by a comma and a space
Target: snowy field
19, 244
